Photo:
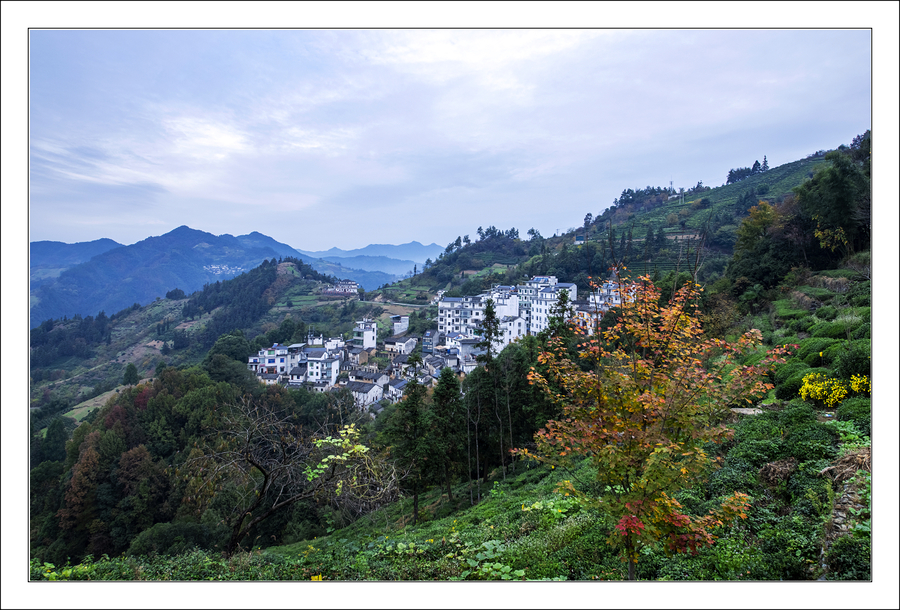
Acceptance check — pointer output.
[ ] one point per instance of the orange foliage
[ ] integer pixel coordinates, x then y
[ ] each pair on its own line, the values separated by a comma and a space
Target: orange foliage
654, 393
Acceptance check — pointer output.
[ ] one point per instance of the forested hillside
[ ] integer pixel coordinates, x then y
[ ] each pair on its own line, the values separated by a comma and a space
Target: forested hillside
714, 434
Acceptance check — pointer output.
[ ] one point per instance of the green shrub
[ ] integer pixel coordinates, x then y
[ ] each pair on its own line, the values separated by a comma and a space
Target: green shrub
860, 294
849, 558
857, 410
791, 548
801, 325
813, 441
811, 348
784, 309
830, 330
864, 313
785, 371
822, 294
826, 313
864, 331
856, 359
811, 494
734, 475
791, 388
758, 452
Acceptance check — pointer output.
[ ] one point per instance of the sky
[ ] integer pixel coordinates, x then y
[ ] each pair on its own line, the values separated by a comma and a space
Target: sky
322, 138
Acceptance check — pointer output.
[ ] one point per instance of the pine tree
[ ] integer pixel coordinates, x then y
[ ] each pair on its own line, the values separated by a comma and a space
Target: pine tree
131, 376
407, 432
447, 419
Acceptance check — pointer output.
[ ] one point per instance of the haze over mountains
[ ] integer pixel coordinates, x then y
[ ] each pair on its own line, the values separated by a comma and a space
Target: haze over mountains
413, 252
103, 275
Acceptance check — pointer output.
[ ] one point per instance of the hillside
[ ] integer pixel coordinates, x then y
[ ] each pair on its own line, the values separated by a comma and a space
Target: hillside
75, 359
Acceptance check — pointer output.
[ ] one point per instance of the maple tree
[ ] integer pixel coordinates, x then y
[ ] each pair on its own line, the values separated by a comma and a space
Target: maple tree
641, 400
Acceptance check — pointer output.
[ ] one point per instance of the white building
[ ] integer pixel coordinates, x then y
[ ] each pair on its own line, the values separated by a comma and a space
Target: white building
270, 361
400, 345
545, 301
364, 334
365, 394
465, 315
401, 324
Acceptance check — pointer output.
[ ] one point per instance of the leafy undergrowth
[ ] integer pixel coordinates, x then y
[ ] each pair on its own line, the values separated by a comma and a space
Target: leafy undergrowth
524, 530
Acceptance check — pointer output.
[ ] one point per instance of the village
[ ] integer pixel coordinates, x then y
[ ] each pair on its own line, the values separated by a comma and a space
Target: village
324, 365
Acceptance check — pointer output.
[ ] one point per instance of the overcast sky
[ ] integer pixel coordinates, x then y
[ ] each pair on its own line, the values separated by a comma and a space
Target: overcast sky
348, 137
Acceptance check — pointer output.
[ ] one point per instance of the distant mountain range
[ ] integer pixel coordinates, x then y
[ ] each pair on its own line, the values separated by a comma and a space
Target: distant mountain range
413, 252
103, 275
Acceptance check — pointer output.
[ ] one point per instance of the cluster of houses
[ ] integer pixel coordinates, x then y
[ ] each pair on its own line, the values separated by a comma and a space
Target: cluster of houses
342, 288
525, 309
328, 364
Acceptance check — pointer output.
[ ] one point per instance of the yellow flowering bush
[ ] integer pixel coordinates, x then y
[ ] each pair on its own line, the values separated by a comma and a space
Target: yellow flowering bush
831, 392
861, 384
820, 388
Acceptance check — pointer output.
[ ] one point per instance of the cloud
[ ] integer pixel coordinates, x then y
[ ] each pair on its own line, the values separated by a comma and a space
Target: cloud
517, 127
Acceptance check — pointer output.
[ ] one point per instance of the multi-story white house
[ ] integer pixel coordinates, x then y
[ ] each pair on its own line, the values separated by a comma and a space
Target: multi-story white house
364, 334
543, 305
513, 328
270, 361
600, 300
465, 315
323, 367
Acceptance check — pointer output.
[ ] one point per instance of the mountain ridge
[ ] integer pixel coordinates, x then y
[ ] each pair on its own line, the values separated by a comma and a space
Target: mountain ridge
183, 258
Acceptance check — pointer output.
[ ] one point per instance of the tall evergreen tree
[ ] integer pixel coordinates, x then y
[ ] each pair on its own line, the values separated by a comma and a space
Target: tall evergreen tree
131, 376
490, 332
447, 419
407, 433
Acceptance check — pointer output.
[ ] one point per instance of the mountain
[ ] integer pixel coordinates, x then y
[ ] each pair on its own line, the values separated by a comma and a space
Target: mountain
412, 251
183, 258
392, 266
50, 258
258, 240
70, 282
47, 253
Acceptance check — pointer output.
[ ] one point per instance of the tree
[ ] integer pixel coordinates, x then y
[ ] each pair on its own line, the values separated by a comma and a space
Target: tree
836, 198
491, 334
266, 461
415, 360
642, 411
53, 448
447, 418
765, 165
407, 433
587, 223
754, 227
233, 345
131, 376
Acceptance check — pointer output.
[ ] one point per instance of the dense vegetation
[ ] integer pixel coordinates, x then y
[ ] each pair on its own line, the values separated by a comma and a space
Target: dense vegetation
430, 490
